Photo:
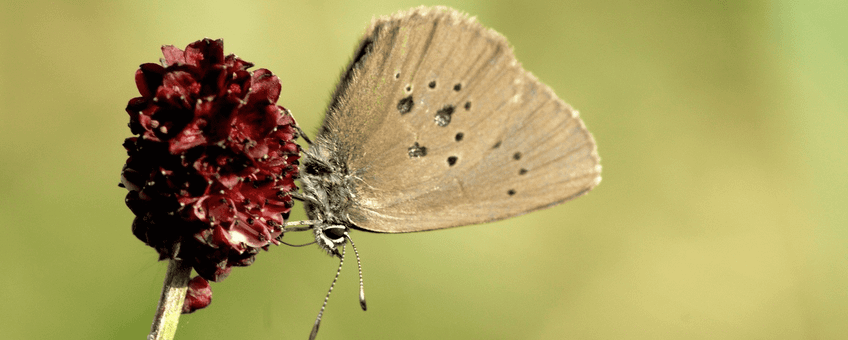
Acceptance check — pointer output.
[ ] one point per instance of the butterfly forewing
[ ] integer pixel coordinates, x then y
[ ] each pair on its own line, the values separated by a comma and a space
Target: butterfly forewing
440, 126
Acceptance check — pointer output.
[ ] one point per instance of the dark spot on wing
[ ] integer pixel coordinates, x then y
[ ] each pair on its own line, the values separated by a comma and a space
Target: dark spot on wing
511, 192
416, 151
443, 116
459, 136
405, 105
457, 87
452, 160
516, 156
522, 171
497, 145
432, 84
467, 106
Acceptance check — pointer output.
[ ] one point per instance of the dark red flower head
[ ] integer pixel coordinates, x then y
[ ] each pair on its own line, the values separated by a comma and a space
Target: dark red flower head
213, 161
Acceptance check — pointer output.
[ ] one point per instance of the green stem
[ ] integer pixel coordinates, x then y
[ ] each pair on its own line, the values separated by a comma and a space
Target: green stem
171, 302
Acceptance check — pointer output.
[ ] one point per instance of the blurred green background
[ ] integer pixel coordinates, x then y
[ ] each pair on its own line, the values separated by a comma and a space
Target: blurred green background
722, 128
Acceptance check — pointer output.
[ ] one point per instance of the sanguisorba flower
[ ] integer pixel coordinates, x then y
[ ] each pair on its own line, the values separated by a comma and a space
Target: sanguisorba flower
213, 161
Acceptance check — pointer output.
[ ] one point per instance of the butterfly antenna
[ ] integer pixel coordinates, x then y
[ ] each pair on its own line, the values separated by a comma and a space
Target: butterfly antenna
361, 284
314, 332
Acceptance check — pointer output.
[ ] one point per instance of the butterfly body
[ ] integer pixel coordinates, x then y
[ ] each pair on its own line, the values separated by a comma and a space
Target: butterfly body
329, 191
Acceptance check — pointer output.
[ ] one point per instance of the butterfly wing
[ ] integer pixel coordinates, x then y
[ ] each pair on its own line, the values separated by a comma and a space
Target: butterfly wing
440, 126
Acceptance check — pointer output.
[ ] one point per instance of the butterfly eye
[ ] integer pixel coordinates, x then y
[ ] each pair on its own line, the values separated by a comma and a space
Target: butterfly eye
334, 233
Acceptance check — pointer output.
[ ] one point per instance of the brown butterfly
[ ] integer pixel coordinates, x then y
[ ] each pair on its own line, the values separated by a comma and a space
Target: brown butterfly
434, 124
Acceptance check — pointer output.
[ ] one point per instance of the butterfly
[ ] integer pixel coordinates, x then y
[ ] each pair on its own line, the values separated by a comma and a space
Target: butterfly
434, 124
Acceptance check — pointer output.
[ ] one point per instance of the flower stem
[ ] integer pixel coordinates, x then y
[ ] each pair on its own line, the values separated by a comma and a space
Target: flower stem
171, 301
